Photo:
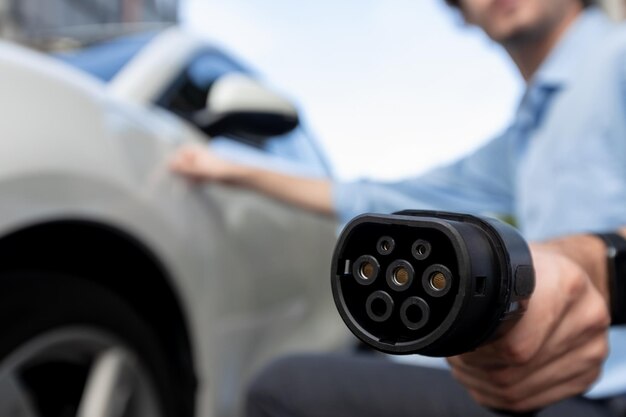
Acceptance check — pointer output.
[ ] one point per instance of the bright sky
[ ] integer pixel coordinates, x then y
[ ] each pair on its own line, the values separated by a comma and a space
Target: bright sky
390, 88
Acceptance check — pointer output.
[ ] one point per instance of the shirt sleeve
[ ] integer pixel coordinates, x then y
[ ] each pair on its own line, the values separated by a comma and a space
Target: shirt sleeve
479, 183
574, 180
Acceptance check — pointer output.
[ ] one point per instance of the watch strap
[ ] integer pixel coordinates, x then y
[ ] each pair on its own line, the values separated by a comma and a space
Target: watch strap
616, 270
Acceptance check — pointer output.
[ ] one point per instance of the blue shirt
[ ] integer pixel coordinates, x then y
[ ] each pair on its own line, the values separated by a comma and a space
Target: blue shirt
560, 168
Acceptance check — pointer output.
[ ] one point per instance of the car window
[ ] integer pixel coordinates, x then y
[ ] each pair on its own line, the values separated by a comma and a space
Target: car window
104, 60
209, 65
188, 93
296, 151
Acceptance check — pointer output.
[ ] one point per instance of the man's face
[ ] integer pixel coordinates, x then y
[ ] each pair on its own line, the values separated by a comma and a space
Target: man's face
514, 21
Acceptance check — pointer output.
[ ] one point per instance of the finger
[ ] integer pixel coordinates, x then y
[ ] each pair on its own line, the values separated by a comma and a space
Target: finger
592, 344
517, 347
588, 319
574, 362
540, 400
181, 158
188, 161
575, 371
564, 291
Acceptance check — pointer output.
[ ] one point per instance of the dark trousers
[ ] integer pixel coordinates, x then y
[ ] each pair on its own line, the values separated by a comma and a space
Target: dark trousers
373, 386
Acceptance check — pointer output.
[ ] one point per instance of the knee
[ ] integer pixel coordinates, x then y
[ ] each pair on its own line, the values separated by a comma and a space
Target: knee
269, 391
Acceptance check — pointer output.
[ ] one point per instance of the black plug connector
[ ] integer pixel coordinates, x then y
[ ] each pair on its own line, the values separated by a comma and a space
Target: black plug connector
433, 283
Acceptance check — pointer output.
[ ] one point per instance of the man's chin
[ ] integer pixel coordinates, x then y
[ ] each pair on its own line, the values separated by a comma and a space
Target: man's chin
518, 35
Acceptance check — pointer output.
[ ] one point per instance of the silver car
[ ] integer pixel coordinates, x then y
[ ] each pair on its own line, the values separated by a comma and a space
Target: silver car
124, 289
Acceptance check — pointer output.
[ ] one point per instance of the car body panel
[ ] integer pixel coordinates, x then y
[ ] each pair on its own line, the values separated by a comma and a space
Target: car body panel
251, 273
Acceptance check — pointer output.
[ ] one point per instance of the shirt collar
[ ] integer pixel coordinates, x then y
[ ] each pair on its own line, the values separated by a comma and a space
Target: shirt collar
582, 36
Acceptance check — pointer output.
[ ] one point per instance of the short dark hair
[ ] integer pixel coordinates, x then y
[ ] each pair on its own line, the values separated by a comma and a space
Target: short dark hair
586, 3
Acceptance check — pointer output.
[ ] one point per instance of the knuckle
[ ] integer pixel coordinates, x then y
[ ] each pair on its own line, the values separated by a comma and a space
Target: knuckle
583, 382
503, 379
510, 396
599, 352
576, 284
517, 353
517, 406
593, 377
594, 320
599, 316
590, 378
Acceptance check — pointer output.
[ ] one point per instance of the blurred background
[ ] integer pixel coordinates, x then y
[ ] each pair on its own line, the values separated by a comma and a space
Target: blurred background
382, 89
371, 77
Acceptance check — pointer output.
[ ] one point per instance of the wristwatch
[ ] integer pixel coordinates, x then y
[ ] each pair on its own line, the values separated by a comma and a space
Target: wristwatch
616, 263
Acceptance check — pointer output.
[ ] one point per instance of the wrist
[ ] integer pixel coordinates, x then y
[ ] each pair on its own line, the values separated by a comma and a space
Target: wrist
589, 253
615, 259
238, 174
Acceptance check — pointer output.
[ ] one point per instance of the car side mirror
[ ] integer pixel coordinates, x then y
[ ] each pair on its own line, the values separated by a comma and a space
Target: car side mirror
238, 105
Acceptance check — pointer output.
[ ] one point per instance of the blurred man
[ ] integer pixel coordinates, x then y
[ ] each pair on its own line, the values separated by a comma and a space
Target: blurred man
560, 169
549, 357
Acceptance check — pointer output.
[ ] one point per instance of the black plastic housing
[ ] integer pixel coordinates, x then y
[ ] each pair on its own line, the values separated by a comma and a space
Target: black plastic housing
432, 283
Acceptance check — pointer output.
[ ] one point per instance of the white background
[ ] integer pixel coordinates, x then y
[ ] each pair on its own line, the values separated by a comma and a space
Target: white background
390, 88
